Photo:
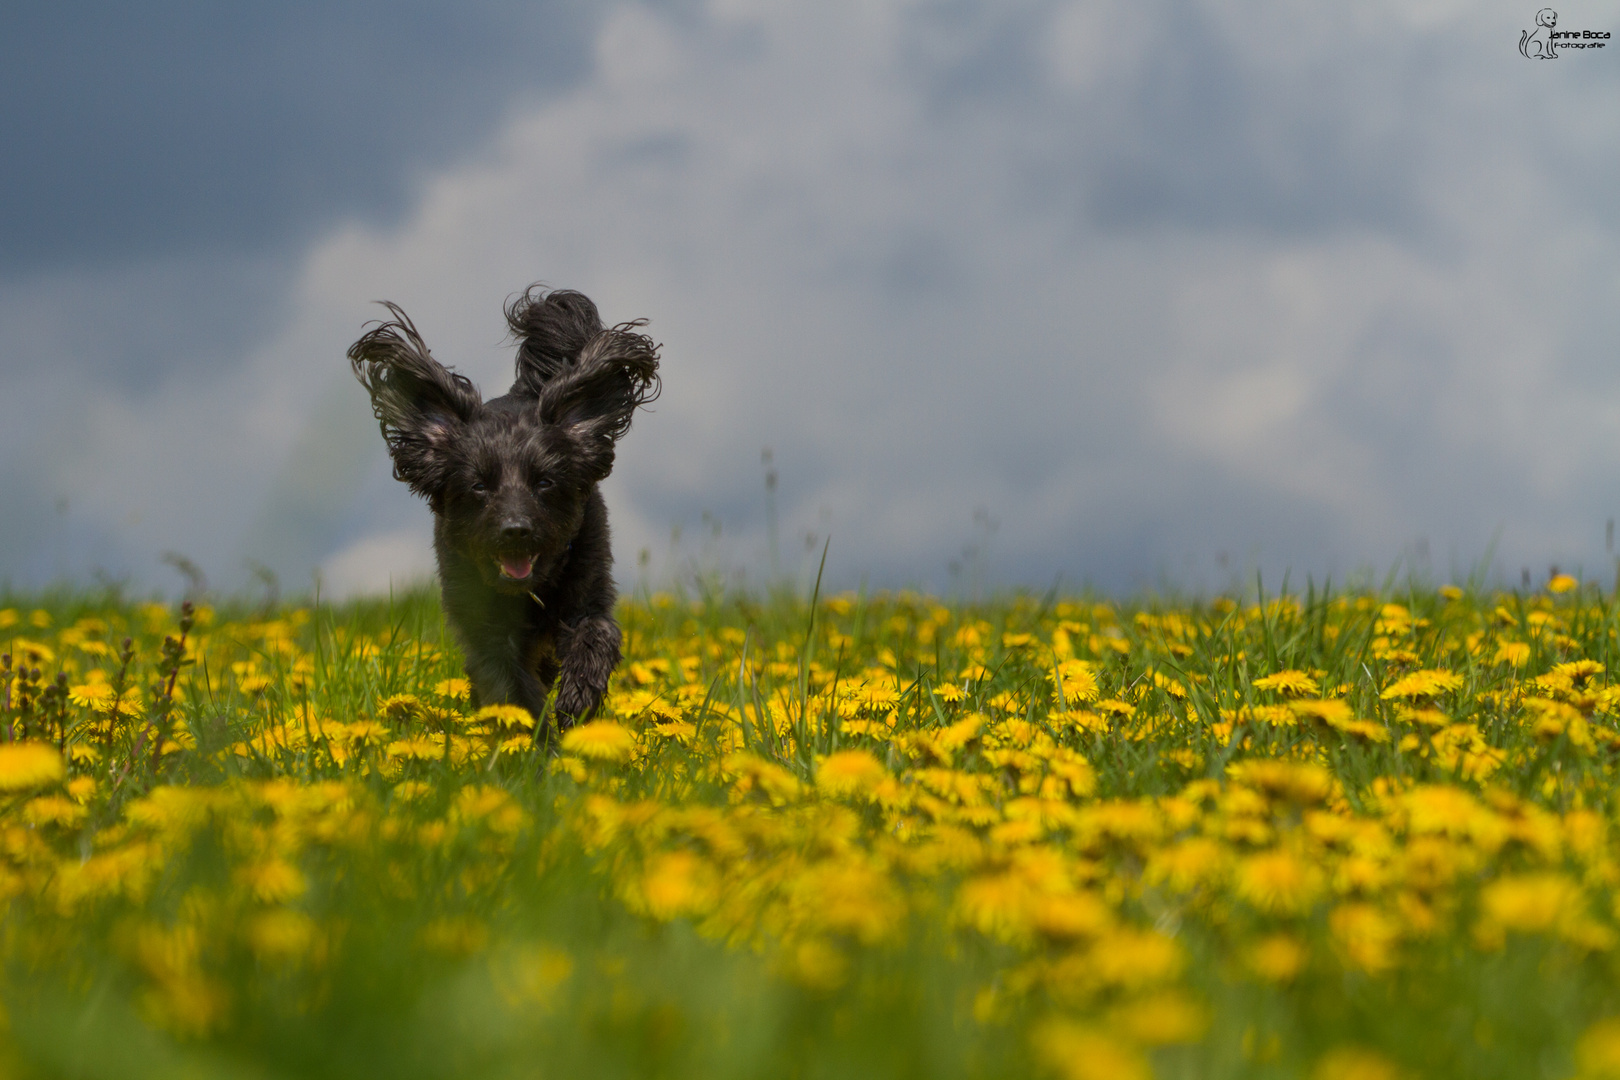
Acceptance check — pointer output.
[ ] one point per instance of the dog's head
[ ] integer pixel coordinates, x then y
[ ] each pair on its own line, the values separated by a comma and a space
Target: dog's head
508, 478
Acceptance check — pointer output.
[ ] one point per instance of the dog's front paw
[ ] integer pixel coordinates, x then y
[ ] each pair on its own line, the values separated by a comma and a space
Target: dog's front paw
575, 702
590, 653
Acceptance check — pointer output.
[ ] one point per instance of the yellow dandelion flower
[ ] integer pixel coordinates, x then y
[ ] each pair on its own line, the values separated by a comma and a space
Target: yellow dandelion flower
1071, 915
1173, 687
959, 734
1452, 811
757, 774
1131, 958
281, 934
481, 801
95, 695
1127, 820
1062, 644
850, 773
453, 688
877, 696
32, 652
367, 731
1531, 903
848, 897
399, 707
1188, 865
53, 810
1425, 683
996, 904
1597, 1053
1578, 670
632, 703
1366, 935
949, 692
1077, 1052
29, 764
505, 716
1297, 683
1074, 770
1080, 719
1301, 782
1016, 833
253, 684
680, 730
1187, 759
1561, 583
1163, 1018
1277, 957
517, 744
601, 740
1355, 1063
1077, 681
678, 883
570, 766
1273, 715
421, 748
1280, 882
274, 881
818, 964
1366, 729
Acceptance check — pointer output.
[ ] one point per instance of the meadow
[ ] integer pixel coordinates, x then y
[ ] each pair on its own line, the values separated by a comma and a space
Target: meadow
1334, 835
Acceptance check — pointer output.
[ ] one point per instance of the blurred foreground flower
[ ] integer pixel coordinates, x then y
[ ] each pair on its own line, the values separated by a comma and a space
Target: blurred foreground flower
29, 764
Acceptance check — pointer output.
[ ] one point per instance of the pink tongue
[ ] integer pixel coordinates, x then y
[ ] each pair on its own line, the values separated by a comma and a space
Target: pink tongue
516, 568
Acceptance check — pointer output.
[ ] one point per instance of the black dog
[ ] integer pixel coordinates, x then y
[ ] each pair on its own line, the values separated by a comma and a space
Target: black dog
519, 527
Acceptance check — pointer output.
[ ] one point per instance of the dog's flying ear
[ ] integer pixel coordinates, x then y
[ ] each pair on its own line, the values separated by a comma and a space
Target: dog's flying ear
420, 404
594, 400
552, 330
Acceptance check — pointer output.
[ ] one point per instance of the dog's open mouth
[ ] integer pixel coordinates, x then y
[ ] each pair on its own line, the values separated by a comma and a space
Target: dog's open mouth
516, 567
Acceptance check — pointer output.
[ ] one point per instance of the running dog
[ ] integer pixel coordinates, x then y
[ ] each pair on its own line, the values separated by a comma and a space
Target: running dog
520, 530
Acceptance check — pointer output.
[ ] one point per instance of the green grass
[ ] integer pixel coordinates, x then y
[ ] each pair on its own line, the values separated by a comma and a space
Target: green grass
287, 888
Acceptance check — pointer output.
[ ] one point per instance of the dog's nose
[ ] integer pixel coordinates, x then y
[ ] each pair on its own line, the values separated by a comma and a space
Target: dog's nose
515, 531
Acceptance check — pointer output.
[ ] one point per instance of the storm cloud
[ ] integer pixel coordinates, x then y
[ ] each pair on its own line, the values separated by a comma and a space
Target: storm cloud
1107, 293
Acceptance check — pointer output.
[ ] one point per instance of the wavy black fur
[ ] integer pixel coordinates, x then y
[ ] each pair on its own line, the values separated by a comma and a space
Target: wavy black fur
519, 526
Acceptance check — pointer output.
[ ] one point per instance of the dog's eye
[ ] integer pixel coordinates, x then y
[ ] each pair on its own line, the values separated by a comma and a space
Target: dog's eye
479, 487
542, 483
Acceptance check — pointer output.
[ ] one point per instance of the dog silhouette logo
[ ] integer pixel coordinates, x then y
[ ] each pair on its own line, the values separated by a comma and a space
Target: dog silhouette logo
1538, 44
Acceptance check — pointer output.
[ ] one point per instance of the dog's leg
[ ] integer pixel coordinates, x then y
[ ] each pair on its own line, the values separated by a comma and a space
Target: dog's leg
499, 677
589, 654
545, 672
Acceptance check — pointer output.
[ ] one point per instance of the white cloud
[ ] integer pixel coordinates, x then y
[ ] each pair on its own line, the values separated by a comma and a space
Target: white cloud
378, 563
1144, 282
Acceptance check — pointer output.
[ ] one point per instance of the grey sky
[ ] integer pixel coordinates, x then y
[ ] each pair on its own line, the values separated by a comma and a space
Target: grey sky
190, 128
1123, 292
